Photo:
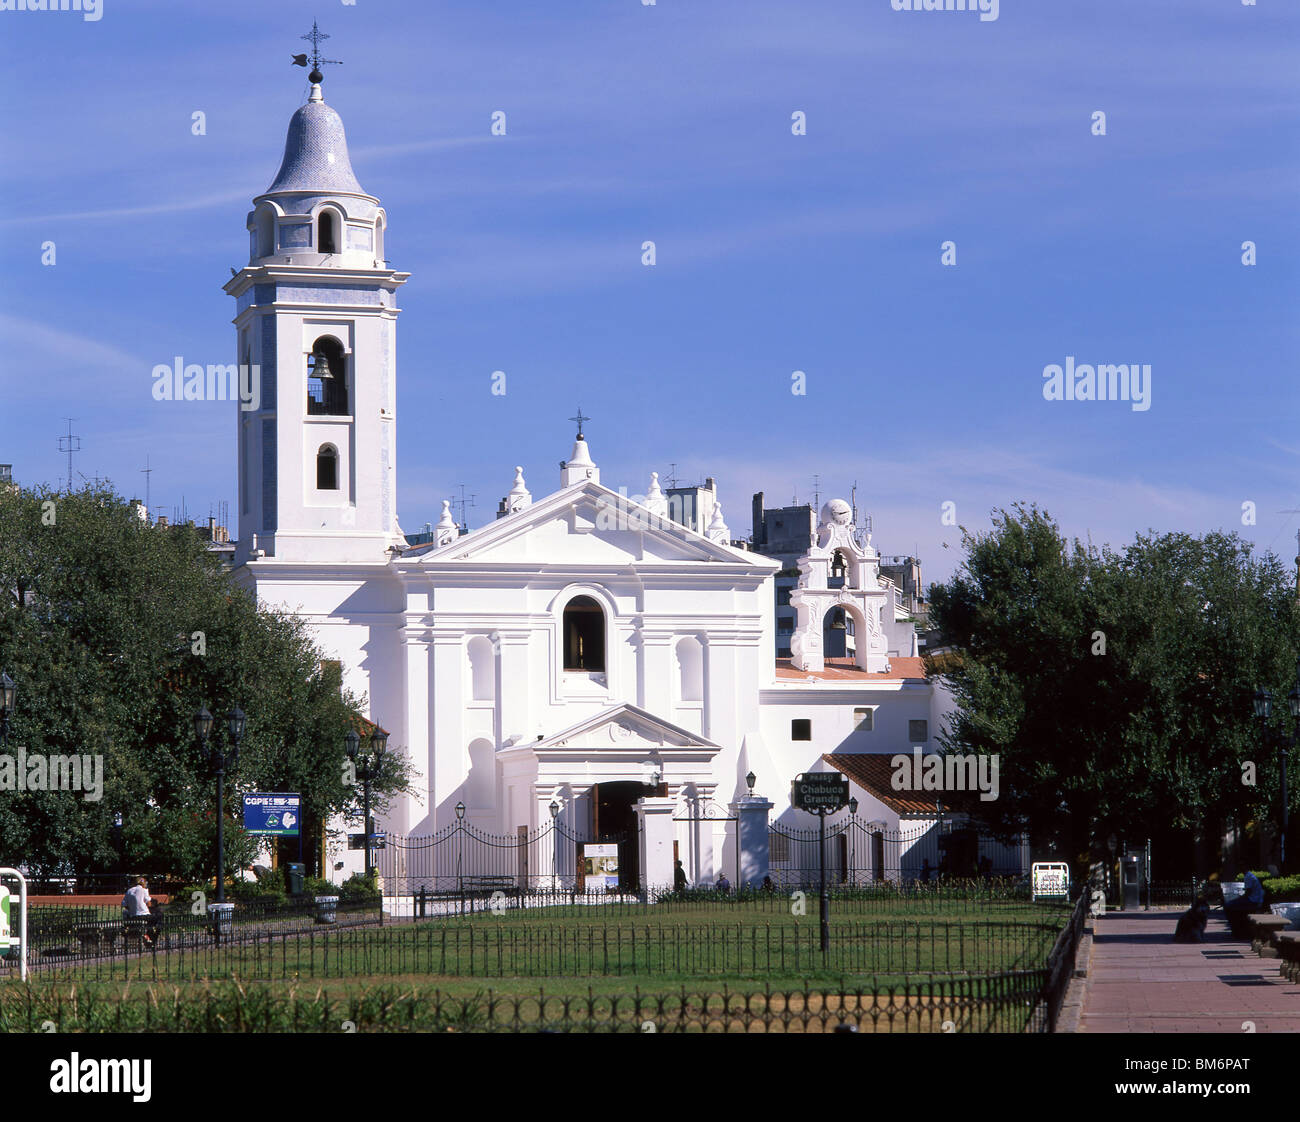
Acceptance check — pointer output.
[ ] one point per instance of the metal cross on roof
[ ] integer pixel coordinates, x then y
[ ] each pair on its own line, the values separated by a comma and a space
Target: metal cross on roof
315, 38
579, 419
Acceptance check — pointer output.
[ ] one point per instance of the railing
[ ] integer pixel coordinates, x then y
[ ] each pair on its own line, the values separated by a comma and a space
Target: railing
1003, 1002
61, 935
482, 950
1060, 963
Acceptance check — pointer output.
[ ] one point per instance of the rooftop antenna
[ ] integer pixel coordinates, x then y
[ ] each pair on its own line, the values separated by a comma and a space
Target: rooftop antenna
464, 502
817, 492
315, 38
147, 472
70, 444
853, 500
672, 476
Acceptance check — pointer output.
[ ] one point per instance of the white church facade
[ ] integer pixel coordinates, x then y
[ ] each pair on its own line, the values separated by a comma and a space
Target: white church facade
583, 662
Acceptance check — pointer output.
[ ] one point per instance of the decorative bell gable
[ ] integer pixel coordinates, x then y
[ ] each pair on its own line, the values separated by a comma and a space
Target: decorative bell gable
840, 571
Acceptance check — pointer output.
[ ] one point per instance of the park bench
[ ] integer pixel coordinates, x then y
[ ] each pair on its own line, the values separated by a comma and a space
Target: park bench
1288, 950
485, 886
1263, 931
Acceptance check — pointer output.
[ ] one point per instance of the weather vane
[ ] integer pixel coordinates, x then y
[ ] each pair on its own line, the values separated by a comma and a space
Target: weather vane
579, 418
315, 38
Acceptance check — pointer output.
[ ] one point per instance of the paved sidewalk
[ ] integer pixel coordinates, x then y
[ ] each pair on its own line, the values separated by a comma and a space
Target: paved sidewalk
1139, 980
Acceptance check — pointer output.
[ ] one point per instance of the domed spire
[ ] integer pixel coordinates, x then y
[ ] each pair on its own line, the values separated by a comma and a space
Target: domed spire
717, 529
316, 150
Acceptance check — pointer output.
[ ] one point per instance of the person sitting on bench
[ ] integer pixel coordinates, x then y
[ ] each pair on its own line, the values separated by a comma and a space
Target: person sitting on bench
1250, 902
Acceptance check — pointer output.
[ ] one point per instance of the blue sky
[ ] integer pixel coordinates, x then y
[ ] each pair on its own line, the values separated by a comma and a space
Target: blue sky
776, 253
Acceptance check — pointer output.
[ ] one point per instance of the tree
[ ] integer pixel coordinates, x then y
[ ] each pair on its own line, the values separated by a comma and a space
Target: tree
117, 632
1113, 686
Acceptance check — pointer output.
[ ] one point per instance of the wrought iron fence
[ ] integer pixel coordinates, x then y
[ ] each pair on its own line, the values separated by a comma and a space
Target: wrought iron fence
463, 861
59, 935
864, 853
1001, 1002
597, 950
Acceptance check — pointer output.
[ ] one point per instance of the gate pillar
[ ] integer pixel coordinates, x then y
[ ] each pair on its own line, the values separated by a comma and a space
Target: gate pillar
751, 814
654, 818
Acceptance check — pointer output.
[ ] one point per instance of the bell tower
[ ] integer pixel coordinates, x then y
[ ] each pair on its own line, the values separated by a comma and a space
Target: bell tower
316, 322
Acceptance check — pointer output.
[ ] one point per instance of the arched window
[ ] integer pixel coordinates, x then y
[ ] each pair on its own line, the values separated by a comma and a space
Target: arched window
690, 669
584, 635
379, 239
327, 378
327, 468
482, 665
839, 571
327, 232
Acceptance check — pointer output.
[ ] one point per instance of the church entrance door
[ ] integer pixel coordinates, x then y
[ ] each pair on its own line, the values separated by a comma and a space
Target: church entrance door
613, 819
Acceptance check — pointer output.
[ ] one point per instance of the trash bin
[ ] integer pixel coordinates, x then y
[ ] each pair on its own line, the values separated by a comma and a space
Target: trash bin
327, 909
222, 920
1132, 882
294, 874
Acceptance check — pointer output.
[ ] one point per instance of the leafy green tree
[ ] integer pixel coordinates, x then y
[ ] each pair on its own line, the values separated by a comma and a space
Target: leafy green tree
117, 632
1115, 687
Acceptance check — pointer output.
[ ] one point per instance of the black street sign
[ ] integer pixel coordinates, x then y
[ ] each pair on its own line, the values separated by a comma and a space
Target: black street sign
820, 791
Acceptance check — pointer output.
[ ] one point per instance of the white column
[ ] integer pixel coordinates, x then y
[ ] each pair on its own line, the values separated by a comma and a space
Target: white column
416, 652
751, 832
447, 675
514, 685
655, 820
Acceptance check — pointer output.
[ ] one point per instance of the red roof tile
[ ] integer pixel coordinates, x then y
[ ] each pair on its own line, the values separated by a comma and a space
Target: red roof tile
843, 670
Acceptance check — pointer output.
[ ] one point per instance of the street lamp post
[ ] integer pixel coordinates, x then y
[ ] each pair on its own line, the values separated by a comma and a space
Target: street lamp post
220, 759
7, 693
853, 837
367, 766
554, 808
460, 825
1263, 710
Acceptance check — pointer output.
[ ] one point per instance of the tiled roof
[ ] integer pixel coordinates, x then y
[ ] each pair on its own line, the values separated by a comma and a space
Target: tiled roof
843, 670
316, 155
872, 772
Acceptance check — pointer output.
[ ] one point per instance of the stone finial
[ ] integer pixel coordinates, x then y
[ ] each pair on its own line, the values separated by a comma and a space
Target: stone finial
446, 530
717, 531
519, 496
579, 467
655, 501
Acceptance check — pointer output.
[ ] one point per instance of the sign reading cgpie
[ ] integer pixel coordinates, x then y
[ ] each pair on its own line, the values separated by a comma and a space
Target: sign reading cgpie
1051, 880
6, 929
268, 812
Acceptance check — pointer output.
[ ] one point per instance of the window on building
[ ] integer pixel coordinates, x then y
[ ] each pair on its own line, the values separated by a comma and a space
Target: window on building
785, 624
783, 596
584, 635
327, 378
327, 232
918, 732
801, 729
327, 468
863, 719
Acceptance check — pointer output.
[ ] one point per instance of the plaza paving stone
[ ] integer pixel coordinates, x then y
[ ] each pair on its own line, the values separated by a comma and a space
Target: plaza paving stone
1140, 980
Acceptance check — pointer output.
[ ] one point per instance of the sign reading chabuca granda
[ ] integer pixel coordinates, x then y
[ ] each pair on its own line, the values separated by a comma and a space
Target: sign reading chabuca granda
819, 792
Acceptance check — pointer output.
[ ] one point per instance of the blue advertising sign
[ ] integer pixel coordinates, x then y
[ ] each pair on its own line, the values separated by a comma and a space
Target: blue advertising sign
271, 813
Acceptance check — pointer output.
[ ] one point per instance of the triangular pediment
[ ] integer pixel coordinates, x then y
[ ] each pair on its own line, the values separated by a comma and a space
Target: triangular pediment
586, 524
624, 727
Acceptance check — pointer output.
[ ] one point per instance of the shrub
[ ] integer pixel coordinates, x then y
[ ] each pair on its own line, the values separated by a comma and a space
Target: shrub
1280, 890
359, 889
